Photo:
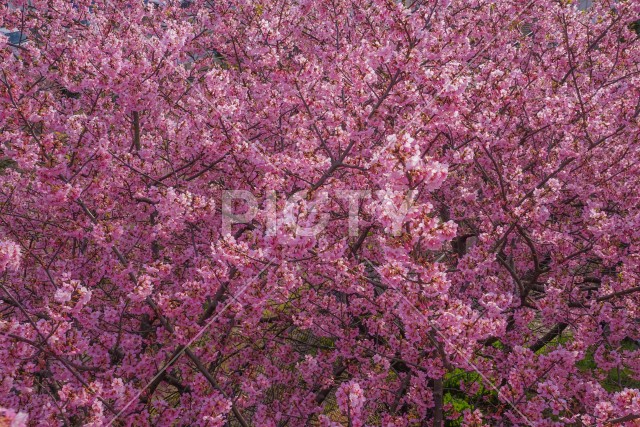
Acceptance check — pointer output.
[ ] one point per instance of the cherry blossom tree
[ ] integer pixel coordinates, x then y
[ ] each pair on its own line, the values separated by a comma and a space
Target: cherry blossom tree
332, 213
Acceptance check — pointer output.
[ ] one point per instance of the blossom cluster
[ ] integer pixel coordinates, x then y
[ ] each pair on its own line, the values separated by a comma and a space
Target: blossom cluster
339, 213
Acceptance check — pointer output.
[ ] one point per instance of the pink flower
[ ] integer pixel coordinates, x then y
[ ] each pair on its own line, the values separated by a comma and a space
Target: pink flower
10, 255
351, 401
11, 418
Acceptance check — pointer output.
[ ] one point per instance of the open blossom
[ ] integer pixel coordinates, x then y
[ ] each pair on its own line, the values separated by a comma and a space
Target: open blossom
351, 400
63, 294
143, 288
472, 419
11, 418
72, 291
10, 255
292, 213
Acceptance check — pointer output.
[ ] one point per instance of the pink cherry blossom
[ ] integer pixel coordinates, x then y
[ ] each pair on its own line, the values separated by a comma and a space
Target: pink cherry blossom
11, 418
338, 213
10, 255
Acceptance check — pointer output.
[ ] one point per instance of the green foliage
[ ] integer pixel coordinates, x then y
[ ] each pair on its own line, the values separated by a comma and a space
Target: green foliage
485, 399
615, 379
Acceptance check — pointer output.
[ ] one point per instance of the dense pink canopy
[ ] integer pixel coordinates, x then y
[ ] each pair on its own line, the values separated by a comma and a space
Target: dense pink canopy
472, 168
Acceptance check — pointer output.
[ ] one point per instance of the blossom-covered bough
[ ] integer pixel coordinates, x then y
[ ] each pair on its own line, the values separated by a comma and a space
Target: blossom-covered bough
290, 213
